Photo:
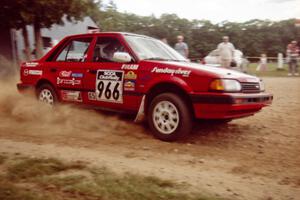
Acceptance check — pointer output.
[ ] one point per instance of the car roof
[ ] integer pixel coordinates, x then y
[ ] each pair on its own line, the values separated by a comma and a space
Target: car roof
109, 33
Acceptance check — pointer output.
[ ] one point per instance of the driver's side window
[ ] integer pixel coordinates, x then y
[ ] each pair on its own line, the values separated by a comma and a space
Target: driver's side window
105, 49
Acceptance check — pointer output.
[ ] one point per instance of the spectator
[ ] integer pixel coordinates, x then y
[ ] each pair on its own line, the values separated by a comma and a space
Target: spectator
292, 54
262, 65
226, 51
181, 47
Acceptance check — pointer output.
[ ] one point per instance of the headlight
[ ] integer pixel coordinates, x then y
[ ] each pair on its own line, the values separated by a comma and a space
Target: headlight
225, 85
261, 86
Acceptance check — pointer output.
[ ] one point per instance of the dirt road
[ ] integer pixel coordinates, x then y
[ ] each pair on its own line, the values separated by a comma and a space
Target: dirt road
251, 158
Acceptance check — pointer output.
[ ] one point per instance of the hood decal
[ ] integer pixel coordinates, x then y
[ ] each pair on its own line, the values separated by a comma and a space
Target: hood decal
166, 70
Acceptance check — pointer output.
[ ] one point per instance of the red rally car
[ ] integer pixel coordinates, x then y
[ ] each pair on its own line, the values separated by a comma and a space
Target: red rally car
138, 74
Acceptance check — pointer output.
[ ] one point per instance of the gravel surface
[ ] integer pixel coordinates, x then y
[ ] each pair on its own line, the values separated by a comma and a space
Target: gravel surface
250, 158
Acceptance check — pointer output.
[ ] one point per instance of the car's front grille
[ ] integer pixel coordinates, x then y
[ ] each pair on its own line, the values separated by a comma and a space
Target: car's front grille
250, 87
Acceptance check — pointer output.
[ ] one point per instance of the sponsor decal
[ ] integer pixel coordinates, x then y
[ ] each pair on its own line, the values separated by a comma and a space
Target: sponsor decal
72, 81
77, 75
129, 85
130, 66
31, 64
65, 74
32, 72
35, 72
179, 71
130, 75
26, 72
69, 95
92, 96
109, 86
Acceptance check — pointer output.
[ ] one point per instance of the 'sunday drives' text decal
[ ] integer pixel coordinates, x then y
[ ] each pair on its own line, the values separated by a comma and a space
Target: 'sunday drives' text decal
166, 70
109, 86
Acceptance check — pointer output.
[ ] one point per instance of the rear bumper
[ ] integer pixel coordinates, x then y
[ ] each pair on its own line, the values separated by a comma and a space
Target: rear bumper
225, 106
24, 87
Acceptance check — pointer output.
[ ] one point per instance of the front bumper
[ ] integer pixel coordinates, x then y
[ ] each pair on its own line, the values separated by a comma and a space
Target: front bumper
228, 106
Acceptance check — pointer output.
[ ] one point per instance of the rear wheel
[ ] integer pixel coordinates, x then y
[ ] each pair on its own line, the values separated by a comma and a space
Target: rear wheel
46, 94
169, 117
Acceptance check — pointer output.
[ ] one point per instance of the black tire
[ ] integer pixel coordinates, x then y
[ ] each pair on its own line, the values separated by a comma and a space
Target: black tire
183, 125
47, 87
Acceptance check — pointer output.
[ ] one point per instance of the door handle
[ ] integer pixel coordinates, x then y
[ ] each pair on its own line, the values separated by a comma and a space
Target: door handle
53, 70
92, 71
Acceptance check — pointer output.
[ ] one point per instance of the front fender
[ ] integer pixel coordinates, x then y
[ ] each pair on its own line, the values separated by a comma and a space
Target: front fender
180, 82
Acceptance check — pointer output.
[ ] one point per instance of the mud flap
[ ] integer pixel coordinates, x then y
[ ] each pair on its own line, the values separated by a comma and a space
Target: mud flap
140, 116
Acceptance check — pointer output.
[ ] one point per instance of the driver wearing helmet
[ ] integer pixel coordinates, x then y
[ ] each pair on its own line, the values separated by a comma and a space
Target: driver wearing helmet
110, 49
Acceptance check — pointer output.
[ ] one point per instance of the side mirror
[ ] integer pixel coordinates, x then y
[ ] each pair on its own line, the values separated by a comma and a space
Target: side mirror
121, 57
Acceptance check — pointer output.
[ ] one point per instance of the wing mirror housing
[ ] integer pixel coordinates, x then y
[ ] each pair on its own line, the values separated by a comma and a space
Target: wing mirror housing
122, 57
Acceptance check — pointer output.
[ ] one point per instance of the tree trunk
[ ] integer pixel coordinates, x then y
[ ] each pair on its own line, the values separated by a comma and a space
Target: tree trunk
38, 40
27, 51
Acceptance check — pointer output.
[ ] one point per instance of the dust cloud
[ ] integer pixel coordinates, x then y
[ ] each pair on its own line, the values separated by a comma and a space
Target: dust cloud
7, 68
22, 114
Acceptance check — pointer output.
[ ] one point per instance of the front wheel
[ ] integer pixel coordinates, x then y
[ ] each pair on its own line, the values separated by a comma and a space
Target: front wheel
46, 94
169, 117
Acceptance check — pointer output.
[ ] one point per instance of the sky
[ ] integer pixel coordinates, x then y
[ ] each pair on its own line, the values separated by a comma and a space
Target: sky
214, 10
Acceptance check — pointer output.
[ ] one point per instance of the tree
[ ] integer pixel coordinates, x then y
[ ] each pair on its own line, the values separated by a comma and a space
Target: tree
42, 14
12, 15
45, 13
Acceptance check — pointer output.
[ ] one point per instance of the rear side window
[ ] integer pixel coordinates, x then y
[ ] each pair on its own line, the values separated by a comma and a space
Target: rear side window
75, 51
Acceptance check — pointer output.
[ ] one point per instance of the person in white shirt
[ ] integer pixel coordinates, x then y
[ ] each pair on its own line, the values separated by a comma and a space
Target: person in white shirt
226, 51
181, 47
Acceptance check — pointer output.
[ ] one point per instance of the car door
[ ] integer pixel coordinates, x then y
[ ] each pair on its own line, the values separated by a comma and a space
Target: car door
108, 82
68, 69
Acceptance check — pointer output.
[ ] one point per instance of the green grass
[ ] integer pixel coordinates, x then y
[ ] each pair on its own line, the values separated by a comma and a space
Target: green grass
271, 71
30, 168
2, 159
26, 177
9, 191
106, 185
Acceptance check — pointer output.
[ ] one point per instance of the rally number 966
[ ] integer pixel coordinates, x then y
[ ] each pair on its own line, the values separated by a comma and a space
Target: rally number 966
109, 86
107, 92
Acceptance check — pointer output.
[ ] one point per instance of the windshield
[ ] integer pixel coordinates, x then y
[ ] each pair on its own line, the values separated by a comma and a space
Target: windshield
152, 49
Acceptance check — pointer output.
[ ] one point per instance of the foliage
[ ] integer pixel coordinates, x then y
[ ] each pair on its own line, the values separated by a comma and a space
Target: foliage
16, 13
41, 13
253, 37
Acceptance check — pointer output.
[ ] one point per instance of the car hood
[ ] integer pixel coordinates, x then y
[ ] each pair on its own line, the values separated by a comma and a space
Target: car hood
201, 69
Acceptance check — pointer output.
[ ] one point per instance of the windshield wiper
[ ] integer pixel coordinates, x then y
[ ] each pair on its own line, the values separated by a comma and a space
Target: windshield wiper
164, 59
177, 60
156, 58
